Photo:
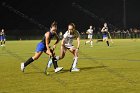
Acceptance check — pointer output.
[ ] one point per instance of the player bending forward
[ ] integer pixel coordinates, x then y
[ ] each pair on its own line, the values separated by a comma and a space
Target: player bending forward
66, 44
43, 46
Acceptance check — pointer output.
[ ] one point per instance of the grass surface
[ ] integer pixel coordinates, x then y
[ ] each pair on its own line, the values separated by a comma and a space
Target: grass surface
103, 69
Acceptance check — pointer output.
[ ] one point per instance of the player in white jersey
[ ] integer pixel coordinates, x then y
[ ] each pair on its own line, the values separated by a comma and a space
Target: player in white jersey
90, 36
66, 44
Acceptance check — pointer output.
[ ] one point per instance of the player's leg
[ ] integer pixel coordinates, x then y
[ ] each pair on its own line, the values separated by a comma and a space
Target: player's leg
62, 55
30, 60
107, 42
74, 51
88, 40
1, 40
4, 41
54, 61
91, 41
39, 50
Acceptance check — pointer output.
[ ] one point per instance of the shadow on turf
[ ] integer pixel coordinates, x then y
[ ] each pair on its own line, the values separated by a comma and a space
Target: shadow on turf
68, 70
88, 68
84, 68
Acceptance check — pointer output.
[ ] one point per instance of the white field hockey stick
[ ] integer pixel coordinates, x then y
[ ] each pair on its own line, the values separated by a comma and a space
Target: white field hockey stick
45, 71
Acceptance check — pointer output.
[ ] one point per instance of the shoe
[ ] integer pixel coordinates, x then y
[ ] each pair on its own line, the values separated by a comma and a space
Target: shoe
75, 70
58, 69
22, 67
1, 45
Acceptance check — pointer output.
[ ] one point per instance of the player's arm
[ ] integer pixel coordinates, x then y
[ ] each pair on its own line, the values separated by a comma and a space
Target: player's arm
102, 30
63, 40
78, 42
47, 35
87, 32
78, 39
57, 41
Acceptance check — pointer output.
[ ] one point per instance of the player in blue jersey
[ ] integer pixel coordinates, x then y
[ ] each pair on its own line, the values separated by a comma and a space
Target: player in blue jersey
43, 46
105, 33
2, 37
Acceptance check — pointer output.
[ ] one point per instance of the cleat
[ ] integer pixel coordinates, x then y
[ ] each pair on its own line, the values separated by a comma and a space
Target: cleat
22, 67
75, 70
58, 69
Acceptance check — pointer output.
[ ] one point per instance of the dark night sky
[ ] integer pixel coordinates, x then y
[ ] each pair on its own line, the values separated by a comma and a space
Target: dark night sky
45, 11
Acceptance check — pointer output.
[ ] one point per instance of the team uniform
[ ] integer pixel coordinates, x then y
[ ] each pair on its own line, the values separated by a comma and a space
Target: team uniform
2, 38
69, 39
68, 44
41, 47
105, 34
90, 33
90, 36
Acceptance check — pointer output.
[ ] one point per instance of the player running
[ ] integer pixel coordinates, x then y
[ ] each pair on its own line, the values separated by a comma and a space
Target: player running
90, 35
2, 37
66, 44
105, 33
43, 46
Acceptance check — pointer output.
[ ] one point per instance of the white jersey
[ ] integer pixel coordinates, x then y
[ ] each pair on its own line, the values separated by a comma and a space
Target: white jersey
69, 37
90, 31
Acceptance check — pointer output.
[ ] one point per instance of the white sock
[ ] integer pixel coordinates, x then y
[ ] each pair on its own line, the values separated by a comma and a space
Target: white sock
57, 57
75, 62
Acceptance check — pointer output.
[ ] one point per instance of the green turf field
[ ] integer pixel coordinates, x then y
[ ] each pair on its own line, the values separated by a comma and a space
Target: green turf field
114, 69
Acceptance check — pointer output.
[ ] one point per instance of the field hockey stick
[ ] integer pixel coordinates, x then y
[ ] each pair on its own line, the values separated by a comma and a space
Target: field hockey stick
110, 37
50, 57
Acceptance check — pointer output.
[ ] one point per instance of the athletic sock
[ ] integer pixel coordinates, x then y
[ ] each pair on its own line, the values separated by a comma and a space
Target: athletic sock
107, 43
54, 60
74, 62
4, 42
1, 43
30, 60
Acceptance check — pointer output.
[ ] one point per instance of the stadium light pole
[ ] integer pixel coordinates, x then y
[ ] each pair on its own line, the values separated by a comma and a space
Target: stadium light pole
124, 13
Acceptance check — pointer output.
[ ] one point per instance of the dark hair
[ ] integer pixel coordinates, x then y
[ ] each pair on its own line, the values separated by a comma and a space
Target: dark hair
54, 24
72, 24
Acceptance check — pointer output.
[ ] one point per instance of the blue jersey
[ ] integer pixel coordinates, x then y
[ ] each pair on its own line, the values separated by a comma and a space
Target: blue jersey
42, 45
2, 36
